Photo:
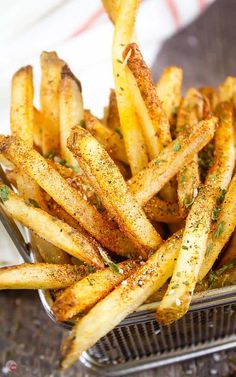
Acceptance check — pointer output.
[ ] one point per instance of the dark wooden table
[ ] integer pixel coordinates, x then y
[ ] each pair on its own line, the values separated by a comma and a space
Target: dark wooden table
206, 50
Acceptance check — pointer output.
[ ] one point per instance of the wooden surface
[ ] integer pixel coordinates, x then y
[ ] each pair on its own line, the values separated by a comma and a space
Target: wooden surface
207, 51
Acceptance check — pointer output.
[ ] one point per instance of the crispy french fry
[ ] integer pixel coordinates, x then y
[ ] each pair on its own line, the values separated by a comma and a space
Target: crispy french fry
22, 104
48, 227
194, 243
123, 300
160, 210
65, 195
169, 90
157, 130
230, 253
40, 276
79, 298
111, 188
227, 89
211, 94
222, 231
51, 67
191, 112
150, 181
111, 140
133, 138
71, 112
113, 119
38, 128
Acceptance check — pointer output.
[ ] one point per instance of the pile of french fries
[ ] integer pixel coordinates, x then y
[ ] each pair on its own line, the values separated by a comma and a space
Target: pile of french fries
138, 204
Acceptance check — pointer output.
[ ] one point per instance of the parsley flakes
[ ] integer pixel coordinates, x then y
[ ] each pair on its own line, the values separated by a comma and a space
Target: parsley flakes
176, 146
34, 203
219, 230
4, 193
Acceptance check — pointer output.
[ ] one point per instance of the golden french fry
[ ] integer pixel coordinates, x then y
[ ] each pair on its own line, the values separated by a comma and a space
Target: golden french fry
71, 110
194, 243
49, 252
123, 300
38, 128
113, 119
150, 181
160, 210
133, 138
169, 91
50, 228
79, 298
227, 89
22, 93
111, 188
111, 8
190, 113
157, 130
40, 276
112, 140
230, 253
224, 227
212, 95
51, 67
65, 195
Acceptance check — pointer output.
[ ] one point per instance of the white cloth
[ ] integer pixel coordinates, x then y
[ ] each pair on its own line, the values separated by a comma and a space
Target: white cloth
81, 33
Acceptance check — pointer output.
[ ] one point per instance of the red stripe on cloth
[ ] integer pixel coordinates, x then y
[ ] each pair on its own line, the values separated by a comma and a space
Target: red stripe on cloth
202, 4
88, 23
174, 12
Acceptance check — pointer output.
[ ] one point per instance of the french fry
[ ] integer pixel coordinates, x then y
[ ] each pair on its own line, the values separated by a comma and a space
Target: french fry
40, 276
227, 89
157, 130
111, 188
65, 195
150, 181
79, 298
22, 104
111, 140
225, 225
38, 128
48, 252
194, 243
159, 210
71, 110
191, 112
123, 300
211, 94
51, 67
113, 119
133, 138
54, 230
230, 253
169, 91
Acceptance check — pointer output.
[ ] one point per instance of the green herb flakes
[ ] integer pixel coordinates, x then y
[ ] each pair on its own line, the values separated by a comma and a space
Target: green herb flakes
34, 203
214, 214
119, 133
176, 146
4, 193
82, 123
219, 230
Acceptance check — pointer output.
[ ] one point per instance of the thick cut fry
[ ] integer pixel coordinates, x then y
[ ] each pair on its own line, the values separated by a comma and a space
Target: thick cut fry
227, 89
65, 195
79, 298
111, 140
38, 128
71, 110
51, 67
191, 112
212, 95
222, 231
111, 188
159, 210
230, 253
194, 244
157, 131
49, 252
123, 301
113, 119
133, 138
169, 90
22, 104
40, 276
150, 181
54, 230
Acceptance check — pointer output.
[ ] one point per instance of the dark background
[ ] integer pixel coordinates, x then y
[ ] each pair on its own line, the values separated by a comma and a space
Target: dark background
206, 50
